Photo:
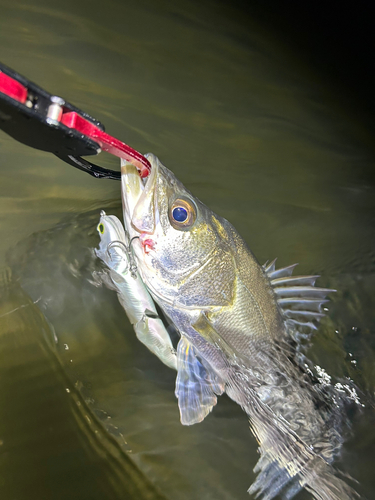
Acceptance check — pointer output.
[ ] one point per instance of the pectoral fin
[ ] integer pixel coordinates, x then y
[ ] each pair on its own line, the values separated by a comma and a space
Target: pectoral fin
208, 332
196, 385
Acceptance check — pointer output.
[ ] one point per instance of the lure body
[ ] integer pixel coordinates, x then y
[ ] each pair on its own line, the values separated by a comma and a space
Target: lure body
114, 250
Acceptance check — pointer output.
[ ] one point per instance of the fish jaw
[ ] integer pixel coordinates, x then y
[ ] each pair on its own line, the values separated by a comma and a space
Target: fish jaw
131, 189
140, 210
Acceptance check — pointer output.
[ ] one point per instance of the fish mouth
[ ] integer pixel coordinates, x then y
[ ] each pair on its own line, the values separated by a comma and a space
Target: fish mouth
138, 198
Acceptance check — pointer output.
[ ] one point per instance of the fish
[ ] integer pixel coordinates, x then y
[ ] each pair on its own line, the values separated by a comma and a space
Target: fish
238, 323
115, 251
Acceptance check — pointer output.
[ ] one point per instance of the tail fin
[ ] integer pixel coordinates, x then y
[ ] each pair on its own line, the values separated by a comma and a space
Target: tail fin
321, 482
287, 464
273, 480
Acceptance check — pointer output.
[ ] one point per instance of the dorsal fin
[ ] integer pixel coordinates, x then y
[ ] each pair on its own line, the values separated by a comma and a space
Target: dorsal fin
299, 299
283, 272
294, 280
269, 267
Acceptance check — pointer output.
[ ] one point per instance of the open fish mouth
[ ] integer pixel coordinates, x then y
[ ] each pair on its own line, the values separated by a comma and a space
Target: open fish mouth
138, 196
139, 205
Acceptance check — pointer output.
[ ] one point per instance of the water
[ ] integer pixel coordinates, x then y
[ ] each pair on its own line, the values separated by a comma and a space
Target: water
259, 136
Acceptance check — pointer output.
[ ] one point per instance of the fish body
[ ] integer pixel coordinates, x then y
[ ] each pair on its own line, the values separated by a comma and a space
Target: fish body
115, 251
236, 319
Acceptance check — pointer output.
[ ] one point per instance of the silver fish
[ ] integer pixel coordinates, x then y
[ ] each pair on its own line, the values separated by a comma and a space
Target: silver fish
114, 250
237, 320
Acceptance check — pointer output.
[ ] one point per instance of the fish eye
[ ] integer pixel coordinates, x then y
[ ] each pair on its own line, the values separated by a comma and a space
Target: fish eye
182, 214
179, 214
101, 228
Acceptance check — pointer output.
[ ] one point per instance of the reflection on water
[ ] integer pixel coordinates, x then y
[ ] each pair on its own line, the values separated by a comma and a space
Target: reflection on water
46, 417
259, 138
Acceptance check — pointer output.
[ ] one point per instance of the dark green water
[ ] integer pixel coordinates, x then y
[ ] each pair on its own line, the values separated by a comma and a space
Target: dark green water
257, 134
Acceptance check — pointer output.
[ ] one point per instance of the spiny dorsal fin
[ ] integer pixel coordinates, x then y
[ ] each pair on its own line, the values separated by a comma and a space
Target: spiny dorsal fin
299, 299
294, 280
274, 273
269, 267
300, 304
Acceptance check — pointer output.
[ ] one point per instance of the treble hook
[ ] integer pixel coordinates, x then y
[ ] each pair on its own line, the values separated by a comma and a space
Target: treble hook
116, 243
132, 266
119, 244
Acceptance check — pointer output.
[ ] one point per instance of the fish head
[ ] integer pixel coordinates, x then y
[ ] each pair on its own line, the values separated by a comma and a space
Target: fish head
174, 235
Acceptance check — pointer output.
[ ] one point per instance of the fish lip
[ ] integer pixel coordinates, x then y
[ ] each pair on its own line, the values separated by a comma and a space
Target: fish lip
129, 177
138, 196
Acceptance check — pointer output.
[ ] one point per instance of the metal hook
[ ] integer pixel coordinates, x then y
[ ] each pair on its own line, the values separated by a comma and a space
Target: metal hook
132, 264
117, 243
134, 238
